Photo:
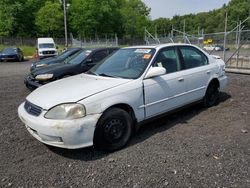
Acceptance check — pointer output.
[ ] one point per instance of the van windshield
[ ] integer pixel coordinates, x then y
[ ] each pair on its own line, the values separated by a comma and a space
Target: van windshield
46, 45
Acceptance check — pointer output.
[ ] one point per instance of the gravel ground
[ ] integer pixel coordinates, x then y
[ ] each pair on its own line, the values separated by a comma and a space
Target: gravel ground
195, 147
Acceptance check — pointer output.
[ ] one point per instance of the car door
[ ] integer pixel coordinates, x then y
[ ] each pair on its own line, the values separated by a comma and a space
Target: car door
166, 92
197, 71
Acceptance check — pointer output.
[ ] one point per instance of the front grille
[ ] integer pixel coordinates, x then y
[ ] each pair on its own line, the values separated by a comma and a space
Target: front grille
48, 52
32, 109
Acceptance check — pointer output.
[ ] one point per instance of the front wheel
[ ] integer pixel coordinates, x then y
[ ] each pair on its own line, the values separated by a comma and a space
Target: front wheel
113, 130
212, 95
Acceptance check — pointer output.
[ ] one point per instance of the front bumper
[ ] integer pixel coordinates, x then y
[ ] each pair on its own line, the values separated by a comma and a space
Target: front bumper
223, 82
6, 58
70, 134
32, 83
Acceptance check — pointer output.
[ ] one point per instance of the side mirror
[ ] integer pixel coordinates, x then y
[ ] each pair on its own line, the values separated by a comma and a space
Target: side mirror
155, 71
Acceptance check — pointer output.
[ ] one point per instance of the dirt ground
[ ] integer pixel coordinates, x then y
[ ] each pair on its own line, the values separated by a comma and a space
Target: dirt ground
195, 147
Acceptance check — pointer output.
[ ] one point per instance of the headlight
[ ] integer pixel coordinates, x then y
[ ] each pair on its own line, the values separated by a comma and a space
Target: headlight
44, 76
41, 65
66, 112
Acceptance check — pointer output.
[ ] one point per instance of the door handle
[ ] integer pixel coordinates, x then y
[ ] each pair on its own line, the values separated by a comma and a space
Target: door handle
208, 72
181, 79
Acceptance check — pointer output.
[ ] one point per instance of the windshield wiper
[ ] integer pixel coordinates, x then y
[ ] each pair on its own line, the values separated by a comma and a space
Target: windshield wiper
91, 72
106, 75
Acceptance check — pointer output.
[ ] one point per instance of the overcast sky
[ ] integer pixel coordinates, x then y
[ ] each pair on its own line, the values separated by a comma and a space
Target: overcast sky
169, 8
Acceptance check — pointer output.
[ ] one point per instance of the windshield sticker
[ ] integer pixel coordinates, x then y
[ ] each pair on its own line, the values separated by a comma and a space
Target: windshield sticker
147, 56
143, 51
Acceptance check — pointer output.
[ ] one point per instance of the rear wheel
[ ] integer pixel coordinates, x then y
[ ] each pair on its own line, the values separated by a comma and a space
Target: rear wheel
212, 95
113, 130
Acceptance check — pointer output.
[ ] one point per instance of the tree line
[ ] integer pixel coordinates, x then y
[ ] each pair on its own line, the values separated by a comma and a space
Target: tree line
97, 18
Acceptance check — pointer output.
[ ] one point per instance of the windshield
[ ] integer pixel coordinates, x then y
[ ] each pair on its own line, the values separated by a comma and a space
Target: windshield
79, 57
47, 45
65, 54
127, 63
9, 50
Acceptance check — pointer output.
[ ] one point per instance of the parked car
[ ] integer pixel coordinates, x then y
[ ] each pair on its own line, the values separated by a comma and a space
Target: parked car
11, 54
105, 105
81, 62
46, 48
66, 55
214, 48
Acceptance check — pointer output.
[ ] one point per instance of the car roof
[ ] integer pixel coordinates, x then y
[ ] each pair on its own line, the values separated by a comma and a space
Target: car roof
159, 46
12, 48
74, 48
102, 48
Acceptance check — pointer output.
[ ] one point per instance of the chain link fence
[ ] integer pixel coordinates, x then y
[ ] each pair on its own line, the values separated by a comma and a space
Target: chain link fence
233, 46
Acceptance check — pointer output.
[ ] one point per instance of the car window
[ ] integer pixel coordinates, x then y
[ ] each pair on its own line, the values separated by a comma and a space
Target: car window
9, 50
78, 57
46, 45
127, 63
193, 57
98, 56
111, 50
168, 59
67, 53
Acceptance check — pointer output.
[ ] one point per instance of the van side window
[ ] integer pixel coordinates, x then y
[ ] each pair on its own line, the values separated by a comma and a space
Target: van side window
193, 57
168, 59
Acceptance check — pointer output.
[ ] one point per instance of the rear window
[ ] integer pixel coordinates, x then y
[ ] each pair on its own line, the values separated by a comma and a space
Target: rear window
9, 50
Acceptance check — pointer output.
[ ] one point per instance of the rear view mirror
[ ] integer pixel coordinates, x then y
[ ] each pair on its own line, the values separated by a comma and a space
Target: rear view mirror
155, 71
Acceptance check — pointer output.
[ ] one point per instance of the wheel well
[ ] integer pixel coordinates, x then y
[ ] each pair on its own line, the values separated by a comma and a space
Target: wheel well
215, 82
126, 108
129, 110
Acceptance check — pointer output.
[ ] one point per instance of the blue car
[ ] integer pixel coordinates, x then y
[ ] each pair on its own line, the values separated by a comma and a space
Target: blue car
11, 54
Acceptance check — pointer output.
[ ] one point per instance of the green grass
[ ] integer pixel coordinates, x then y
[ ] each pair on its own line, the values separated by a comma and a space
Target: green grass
28, 50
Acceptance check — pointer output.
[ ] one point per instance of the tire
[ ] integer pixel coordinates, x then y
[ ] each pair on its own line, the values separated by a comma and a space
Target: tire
212, 95
113, 130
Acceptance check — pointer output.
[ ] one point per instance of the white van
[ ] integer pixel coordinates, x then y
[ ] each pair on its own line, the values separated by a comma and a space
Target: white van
46, 47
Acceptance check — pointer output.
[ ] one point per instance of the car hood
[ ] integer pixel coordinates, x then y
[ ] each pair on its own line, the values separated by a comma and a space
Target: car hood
46, 61
50, 69
72, 89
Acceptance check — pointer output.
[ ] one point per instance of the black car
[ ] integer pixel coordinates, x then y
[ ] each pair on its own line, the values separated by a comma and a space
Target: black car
66, 55
11, 54
81, 62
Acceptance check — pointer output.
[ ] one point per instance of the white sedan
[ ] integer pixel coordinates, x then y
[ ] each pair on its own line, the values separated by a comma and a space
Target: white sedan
103, 106
213, 48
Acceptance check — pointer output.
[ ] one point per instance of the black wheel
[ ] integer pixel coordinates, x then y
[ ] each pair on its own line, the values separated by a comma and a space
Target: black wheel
113, 130
212, 95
